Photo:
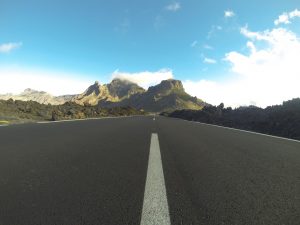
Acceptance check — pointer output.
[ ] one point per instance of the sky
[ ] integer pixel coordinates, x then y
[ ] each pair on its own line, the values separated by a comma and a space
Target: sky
235, 52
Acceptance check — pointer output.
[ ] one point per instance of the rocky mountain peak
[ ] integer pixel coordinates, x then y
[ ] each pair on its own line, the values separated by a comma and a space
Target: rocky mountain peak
114, 91
167, 86
94, 88
172, 84
123, 88
120, 81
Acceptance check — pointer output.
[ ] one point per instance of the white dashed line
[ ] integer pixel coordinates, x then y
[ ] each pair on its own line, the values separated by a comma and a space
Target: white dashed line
155, 206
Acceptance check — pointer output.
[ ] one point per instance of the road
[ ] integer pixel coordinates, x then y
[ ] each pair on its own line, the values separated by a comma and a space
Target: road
137, 170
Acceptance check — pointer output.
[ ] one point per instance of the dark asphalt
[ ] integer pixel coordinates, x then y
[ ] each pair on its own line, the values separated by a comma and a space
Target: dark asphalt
94, 172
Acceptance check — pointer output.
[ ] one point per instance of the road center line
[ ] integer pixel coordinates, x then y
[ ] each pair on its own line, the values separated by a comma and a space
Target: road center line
155, 206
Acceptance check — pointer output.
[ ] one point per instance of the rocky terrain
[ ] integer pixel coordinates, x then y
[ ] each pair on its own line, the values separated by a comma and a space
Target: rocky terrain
280, 120
28, 111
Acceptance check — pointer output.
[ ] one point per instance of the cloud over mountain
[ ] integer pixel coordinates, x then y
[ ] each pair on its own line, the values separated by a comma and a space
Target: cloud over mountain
146, 78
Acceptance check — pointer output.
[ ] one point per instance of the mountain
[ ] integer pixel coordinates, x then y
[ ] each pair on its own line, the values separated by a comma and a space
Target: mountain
169, 95
38, 96
115, 91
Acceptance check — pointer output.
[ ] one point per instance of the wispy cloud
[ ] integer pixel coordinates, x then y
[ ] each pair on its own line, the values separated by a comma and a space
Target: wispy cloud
229, 13
8, 47
285, 18
213, 30
145, 78
194, 43
209, 61
206, 46
124, 26
175, 6
159, 22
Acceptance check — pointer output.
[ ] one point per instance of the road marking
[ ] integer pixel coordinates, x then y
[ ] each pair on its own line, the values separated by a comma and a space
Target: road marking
246, 131
73, 120
153, 118
155, 206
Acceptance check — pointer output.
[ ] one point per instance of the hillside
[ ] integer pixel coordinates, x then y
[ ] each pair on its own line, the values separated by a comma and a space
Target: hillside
280, 120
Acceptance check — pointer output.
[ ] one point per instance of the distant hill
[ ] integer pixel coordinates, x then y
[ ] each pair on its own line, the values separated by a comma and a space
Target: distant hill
38, 96
280, 120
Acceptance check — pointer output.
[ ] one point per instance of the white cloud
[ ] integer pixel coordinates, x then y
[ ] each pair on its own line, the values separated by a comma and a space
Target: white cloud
175, 6
285, 17
213, 30
124, 26
251, 46
159, 22
269, 74
194, 43
206, 46
209, 61
229, 13
146, 78
204, 89
15, 80
295, 13
8, 47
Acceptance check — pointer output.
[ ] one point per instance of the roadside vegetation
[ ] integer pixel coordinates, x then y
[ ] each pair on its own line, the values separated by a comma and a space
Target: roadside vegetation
29, 111
280, 120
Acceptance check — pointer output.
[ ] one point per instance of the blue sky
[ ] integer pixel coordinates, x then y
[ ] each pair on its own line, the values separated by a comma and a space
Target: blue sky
95, 40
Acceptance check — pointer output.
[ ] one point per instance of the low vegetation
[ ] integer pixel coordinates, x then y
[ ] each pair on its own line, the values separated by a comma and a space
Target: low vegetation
280, 120
28, 111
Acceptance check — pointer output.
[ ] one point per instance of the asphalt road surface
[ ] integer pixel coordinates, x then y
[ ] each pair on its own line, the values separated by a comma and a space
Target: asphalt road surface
138, 170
